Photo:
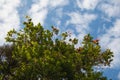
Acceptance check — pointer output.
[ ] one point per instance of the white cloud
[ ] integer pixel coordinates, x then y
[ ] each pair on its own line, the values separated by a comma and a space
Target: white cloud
58, 15
112, 40
111, 8
87, 4
81, 21
116, 2
9, 17
119, 76
59, 12
40, 9
55, 3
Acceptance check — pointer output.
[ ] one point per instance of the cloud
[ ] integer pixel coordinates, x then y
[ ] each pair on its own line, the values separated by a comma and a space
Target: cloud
9, 17
39, 11
81, 21
111, 39
41, 8
116, 2
87, 4
119, 76
56, 3
111, 8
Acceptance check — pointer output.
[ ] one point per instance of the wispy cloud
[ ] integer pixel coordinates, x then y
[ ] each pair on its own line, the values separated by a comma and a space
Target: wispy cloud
111, 8
58, 3
9, 17
41, 8
111, 39
119, 76
81, 21
58, 15
87, 4
39, 11
116, 2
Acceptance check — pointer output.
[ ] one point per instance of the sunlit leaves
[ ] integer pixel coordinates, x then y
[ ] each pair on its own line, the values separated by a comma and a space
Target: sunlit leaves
38, 54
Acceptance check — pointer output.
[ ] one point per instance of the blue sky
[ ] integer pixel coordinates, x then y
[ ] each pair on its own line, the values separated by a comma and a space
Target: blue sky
100, 18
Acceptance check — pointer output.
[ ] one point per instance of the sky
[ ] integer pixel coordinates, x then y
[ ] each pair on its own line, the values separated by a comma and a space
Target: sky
100, 18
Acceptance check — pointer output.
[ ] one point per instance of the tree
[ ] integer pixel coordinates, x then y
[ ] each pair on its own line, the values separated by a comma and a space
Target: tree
6, 61
38, 54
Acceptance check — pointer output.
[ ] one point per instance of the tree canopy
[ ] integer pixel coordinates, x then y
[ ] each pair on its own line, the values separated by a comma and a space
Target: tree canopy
35, 53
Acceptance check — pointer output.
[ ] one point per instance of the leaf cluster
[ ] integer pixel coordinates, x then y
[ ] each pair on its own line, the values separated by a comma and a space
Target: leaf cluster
37, 54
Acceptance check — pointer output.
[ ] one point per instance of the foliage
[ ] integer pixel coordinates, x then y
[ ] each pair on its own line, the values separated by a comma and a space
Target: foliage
38, 54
